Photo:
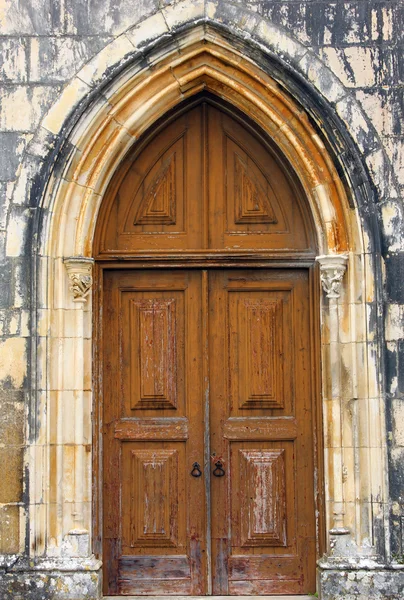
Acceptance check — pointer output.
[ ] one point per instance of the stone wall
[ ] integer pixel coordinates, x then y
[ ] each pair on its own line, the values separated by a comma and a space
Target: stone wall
44, 43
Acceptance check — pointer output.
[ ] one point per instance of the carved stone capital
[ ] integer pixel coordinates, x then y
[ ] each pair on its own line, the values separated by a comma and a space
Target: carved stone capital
79, 270
332, 269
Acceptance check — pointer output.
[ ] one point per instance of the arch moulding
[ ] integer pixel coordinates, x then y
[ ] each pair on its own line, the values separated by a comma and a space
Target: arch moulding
62, 528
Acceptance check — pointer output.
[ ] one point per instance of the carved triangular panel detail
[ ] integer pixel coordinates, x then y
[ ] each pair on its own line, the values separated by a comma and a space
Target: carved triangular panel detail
158, 204
252, 203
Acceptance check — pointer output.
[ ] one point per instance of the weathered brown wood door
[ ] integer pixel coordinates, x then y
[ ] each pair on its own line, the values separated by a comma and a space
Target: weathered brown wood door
263, 529
208, 394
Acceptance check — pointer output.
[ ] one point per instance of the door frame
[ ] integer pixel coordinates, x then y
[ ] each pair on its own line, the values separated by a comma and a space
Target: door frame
314, 286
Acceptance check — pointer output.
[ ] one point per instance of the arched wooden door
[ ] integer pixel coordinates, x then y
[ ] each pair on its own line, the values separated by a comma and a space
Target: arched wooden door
205, 248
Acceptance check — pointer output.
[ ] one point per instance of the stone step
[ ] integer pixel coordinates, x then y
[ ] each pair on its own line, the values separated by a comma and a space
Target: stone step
211, 597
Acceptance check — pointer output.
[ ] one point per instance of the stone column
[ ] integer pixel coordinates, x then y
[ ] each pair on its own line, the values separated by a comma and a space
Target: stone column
332, 270
79, 270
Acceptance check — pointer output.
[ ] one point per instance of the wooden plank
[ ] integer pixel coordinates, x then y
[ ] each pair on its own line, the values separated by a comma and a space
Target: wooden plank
152, 587
149, 567
262, 587
242, 568
163, 429
260, 428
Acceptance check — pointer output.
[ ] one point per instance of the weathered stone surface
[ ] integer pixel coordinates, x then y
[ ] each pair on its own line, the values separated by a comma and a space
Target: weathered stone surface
11, 461
13, 366
13, 60
361, 585
9, 531
51, 585
11, 148
59, 58
12, 409
21, 108
26, 18
345, 55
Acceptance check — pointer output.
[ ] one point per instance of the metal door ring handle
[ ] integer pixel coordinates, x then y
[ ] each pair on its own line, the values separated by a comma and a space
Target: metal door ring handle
196, 470
218, 471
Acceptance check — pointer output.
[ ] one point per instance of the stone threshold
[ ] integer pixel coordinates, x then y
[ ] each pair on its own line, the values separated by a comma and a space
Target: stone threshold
209, 597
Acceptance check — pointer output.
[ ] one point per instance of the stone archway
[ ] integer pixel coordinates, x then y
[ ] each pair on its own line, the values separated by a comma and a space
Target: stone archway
61, 523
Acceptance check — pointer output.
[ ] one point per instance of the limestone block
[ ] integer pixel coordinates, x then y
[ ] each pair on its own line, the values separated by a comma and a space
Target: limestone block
42, 144
151, 28
14, 322
237, 17
17, 231
368, 329
13, 362
75, 91
347, 376
391, 368
381, 173
355, 120
5, 199
394, 325
395, 150
187, 11
11, 417
21, 284
281, 43
21, 108
27, 173
11, 459
111, 16
376, 418
373, 370
59, 58
355, 66
321, 77
383, 25
115, 54
295, 18
393, 223
6, 291
26, 18
385, 108
13, 61
398, 420
349, 407
394, 274
348, 476
9, 529
12, 146
38, 456
74, 583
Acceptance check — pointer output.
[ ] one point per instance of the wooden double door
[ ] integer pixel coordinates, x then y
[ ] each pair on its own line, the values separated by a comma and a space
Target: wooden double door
208, 454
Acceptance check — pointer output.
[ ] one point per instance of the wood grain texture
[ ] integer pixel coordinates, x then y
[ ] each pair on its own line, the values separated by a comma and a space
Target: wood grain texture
211, 359
154, 365
262, 498
205, 181
152, 429
154, 497
264, 506
155, 508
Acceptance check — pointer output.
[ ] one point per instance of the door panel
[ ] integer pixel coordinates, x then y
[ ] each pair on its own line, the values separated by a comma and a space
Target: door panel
154, 511
207, 181
263, 525
153, 201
